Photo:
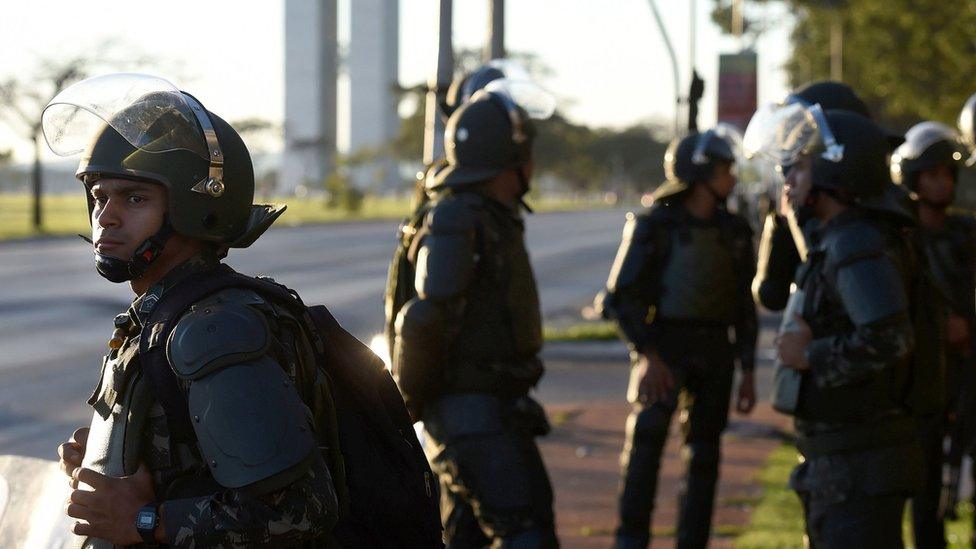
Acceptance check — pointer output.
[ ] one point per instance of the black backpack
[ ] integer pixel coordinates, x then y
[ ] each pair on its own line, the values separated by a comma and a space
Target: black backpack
400, 278
387, 493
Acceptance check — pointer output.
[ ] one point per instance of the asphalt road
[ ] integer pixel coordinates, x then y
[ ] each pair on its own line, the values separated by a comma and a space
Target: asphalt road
56, 312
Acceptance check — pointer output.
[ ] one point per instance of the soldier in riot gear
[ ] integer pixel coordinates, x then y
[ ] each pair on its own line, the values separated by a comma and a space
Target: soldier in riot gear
170, 188
927, 165
679, 283
465, 347
399, 285
778, 254
854, 342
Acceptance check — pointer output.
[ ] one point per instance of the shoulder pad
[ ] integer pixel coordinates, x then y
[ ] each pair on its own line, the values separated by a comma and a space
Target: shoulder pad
216, 333
251, 425
852, 241
454, 213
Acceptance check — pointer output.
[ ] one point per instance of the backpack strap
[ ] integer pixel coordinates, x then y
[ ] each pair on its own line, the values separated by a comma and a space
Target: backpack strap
152, 345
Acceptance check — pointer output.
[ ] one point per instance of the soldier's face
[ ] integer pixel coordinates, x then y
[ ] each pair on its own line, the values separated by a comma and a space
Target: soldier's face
723, 179
936, 186
125, 214
799, 182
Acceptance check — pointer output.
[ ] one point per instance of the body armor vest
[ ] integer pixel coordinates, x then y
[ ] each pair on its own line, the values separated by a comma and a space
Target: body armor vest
951, 255
121, 401
699, 281
826, 313
501, 327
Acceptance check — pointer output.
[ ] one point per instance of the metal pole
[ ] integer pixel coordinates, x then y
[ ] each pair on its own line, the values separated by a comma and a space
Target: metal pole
692, 33
495, 48
738, 23
674, 64
437, 85
837, 48
37, 184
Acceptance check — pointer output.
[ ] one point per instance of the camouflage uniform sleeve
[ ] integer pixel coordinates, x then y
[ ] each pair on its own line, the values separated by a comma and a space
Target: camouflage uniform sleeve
746, 319
849, 358
299, 512
872, 292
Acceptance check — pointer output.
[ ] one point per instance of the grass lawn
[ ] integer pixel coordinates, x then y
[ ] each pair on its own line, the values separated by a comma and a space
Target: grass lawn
65, 214
777, 520
584, 331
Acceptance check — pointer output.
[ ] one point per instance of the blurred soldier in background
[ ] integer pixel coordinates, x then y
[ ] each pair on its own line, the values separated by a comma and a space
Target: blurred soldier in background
859, 387
678, 287
466, 344
927, 165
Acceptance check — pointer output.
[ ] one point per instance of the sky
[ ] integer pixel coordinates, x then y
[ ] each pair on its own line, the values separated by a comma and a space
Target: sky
609, 62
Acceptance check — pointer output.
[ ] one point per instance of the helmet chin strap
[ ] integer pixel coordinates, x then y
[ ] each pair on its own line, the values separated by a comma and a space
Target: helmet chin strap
118, 270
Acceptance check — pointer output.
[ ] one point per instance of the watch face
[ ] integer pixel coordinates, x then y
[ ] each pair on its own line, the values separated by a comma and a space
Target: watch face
146, 519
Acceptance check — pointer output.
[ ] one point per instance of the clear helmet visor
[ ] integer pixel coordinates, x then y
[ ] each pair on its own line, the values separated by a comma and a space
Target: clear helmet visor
921, 136
782, 133
538, 103
149, 112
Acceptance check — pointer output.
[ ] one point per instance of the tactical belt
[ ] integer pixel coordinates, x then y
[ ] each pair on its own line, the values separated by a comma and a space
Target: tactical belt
509, 378
867, 436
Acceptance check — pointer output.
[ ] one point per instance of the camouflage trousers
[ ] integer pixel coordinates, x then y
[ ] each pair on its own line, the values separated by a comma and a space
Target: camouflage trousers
494, 486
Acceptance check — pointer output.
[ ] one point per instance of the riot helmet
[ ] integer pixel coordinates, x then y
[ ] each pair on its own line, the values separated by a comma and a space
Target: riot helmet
927, 145
491, 133
829, 95
692, 159
464, 87
141, 127
967, 128
848, 151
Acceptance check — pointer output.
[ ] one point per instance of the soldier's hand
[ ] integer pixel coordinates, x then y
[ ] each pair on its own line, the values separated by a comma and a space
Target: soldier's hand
791, 346
73, 451
746, 399
109, 511
656, 382
957, 332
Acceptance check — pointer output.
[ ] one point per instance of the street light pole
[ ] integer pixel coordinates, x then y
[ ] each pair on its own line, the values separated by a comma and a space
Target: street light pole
438, 83
674, 64
495, 48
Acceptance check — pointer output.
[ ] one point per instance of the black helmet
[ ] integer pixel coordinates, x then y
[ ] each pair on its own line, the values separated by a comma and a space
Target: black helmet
849, 151
830, 95
141, 127
492, 132
927, 145
967, 127
467, 85
485, 137
692, 159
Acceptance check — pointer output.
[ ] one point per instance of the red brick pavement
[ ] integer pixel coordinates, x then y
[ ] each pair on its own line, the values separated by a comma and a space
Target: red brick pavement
583, 451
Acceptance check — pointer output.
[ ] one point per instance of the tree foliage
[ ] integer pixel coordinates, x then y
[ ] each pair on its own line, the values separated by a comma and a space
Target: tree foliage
910, 60
580, 157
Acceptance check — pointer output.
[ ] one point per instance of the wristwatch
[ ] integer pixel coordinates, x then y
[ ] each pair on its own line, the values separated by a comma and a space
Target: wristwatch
147, 519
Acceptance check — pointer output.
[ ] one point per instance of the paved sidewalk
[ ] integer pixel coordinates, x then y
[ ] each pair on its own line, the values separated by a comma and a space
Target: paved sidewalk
583, 392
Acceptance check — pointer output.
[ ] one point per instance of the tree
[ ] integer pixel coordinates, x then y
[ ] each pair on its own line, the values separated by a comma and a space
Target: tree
910, 60
23, 98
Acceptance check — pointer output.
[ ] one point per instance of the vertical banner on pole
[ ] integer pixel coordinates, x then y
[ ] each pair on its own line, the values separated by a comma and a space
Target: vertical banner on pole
737, 88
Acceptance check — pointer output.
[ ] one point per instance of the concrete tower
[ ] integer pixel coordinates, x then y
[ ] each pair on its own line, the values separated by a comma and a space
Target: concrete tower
311, 69
373, 64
